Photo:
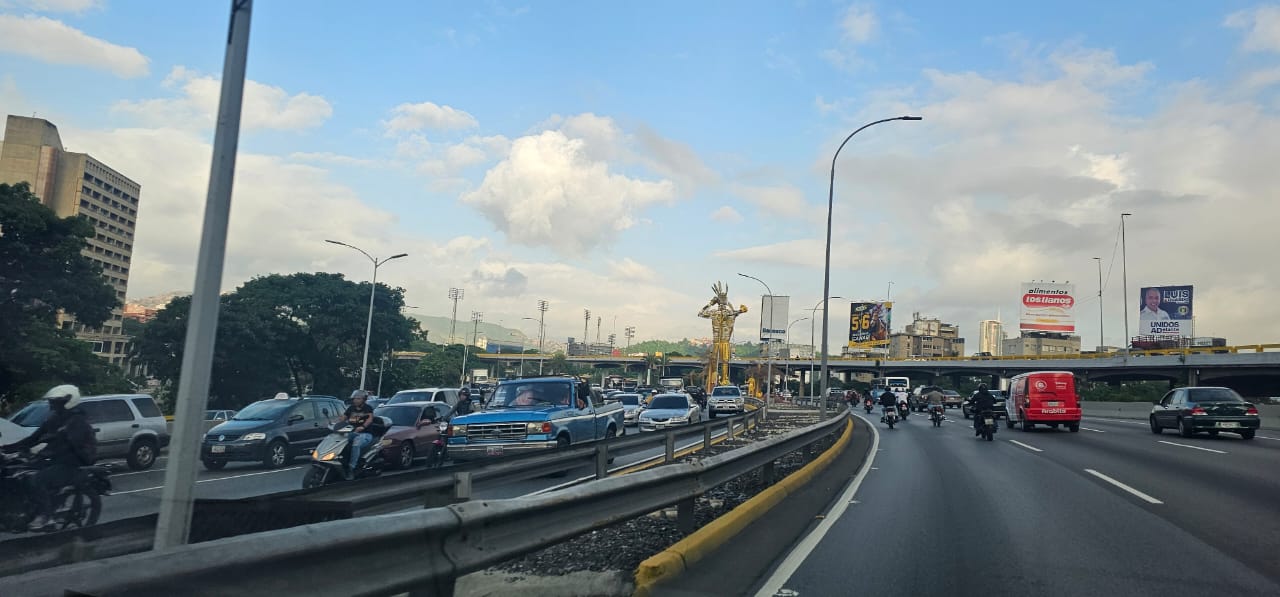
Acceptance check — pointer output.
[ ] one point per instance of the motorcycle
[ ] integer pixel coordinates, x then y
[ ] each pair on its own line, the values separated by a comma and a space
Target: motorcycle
890, 416
987, 425
440, 448
329, 460
903, 411
79, 504
868, 404
935, 415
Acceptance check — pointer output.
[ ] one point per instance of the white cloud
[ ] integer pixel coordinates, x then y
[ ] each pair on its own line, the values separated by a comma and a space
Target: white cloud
449, 161
498, 280
628, 270
265, 106
781, 200
859, 24
726, 214
326, 157
1261, 25
558, 189
72, 6
55, 42
428, 115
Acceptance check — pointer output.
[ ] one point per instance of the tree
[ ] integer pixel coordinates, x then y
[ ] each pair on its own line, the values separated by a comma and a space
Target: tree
42, 273
558, 363
303, 333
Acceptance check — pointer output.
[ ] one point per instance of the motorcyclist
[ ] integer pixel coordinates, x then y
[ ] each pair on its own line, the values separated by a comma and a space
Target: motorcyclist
934, 398
360, 416
982, 402
464, 401
903, 405
889, 401
69, 444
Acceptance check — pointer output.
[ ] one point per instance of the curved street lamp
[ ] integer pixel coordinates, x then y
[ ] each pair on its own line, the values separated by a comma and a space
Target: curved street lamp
821, 304
826, 271
368, 326
786, 375
768, 357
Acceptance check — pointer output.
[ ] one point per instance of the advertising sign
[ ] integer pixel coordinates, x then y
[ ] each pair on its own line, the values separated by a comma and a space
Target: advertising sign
869, 324
774, 311
1047, 307
1165, 311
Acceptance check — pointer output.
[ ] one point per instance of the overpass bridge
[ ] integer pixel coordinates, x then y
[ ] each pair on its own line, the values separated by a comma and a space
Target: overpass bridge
1253, 370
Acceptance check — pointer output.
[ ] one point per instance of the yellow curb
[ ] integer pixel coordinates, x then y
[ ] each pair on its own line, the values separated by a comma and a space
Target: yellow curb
676, 559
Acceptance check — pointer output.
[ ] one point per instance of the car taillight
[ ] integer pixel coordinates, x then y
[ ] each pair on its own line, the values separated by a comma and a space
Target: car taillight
1198, 411
1253, 411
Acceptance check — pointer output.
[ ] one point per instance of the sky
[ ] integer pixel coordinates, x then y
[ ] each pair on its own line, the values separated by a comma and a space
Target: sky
623, 157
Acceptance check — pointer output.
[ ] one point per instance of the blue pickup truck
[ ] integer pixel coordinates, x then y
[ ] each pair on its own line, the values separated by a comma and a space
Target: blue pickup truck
526, 415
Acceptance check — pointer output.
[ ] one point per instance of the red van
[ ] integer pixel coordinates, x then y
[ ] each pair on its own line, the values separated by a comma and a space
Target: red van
1043, 398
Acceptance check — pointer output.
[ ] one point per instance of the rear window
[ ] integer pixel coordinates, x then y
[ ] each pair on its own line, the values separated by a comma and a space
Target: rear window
677, 402
1214, 395
726, 392
107, 411
411, 397
147, 407
630, 399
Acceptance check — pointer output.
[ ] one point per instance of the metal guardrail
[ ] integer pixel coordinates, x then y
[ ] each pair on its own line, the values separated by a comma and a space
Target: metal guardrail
217, 519
422, 552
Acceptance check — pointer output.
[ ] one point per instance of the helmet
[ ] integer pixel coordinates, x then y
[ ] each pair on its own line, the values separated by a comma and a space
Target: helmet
982, 387
68, 394
360, 394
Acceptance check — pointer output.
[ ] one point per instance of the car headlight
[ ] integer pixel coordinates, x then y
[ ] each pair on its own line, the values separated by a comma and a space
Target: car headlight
457, 430
684, 419
250, 437
538, 428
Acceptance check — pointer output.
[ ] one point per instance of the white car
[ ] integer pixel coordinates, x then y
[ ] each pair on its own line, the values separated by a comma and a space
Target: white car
669, 410
725, 399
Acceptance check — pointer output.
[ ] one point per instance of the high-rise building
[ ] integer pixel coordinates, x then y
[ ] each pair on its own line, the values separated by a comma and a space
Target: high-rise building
926, 337
991, 337
72, 184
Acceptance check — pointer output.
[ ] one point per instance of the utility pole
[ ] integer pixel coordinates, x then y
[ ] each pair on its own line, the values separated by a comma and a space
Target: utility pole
1102, 338
598, 320
586, 324
455, 294
543, 306
630, 333
476, 317
1124, 268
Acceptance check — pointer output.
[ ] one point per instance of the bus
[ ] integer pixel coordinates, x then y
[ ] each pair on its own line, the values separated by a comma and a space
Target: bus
894, 384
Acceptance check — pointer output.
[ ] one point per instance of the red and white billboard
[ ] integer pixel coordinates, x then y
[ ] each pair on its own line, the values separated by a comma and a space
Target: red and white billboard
1048, 307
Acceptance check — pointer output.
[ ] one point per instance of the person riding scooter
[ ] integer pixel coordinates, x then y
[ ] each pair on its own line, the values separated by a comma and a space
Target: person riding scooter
982, 402
888, 402
69, 442
360, 416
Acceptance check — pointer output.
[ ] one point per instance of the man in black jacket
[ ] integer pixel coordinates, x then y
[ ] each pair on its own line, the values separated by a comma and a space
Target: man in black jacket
69, 444
983, 402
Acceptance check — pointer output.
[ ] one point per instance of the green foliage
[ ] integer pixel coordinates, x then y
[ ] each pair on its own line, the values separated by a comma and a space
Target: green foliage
1138, 391
43, 272
441, 367
301, 333
683, 347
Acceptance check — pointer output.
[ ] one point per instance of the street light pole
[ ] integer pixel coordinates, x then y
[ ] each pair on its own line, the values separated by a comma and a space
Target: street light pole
826, 269
455, 294
1102, 337
786, 376
522, 339
368, 327
543, 306
813, 313
768, 357
1124, 269
476, 316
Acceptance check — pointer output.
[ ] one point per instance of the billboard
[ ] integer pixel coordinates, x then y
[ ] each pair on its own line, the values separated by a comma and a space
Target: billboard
774, 311
1165, 311
1047, 307
869, 324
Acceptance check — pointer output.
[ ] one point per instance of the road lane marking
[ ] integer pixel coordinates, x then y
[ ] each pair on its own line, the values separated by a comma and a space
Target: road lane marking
1131, 490
292, 468
801, 552
1093, 430
1192, 447
1125, 421
1274, 439
1032, 448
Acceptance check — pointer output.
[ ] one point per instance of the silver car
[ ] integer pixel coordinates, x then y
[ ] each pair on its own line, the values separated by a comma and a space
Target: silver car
128, 426
632, 406
670, 410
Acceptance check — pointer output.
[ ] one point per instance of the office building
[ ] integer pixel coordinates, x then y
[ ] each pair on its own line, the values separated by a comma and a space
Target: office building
926, 337
990, 337
72, 184
1029, 344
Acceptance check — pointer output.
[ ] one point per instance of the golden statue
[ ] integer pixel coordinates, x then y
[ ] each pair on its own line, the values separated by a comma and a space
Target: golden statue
722, 314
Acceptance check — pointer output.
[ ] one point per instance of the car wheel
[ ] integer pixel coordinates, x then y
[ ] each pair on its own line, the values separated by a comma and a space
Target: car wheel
1155, 427
1247, 434
406, 455
277, 454
1213, 433
214, 465
315, 477
1185, 428
1074, 428
1008, 424
1027, 425
966, 415
142, 455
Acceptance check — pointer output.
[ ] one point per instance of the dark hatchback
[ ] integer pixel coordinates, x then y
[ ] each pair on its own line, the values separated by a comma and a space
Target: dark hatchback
272, 431
998, 412
1208, 409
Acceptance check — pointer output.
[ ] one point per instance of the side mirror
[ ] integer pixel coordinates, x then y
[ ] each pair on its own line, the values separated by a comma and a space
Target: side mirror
295, 418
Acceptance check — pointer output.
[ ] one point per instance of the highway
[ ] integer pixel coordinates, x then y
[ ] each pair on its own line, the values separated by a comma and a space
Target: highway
1112, 509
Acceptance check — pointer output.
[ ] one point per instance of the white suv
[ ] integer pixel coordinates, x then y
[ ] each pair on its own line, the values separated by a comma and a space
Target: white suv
725, 399
128, 426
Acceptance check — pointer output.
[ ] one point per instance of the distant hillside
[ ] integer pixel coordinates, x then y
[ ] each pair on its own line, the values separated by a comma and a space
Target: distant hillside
157, 301
438, 330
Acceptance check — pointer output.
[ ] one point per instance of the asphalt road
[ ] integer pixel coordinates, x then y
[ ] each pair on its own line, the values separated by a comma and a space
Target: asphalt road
1112, 509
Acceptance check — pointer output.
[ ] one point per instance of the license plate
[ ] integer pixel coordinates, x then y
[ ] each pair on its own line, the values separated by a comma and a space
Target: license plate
1054, 403
493, 451
989, 421
218, 449
1228, 425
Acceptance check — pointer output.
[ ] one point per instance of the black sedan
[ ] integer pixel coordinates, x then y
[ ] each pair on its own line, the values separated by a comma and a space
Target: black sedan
1210, 409
997, 410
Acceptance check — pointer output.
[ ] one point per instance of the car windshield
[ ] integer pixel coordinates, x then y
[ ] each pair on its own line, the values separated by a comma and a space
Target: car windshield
401, 416
411, 397
726, 392
266, 410
531, 394
1215, 395
669, 401
628, 399
32, 415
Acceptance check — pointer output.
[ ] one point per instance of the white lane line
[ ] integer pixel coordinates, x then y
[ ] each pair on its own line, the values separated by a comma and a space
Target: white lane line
1032, 448
1125, 421
1274, 439
292, 468
1131, 490
1093, 430
801, 552
1192, 447
154, 470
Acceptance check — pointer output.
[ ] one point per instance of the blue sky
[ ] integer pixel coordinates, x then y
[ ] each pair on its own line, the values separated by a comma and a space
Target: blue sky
622, 158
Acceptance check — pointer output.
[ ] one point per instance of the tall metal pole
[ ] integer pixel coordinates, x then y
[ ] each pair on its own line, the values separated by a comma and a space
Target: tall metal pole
786, 376
543, 306
373, 290
174, 522
1124, 269
768, 344
455, 294
826, 269
1102, 337
476, 316
813, 316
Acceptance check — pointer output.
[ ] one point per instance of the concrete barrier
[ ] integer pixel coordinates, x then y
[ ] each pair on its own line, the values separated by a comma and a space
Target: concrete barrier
1141, 410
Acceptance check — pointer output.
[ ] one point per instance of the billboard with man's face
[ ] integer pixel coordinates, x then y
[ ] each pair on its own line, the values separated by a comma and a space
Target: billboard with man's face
1047, 307
1165, 311
869, 324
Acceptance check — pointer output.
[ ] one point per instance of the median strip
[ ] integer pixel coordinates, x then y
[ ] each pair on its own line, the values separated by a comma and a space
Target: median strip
1131, 490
